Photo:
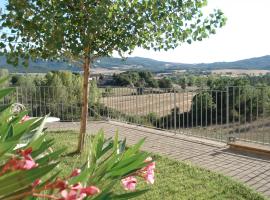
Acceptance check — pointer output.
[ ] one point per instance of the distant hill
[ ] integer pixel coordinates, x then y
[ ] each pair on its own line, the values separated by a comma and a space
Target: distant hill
259, 63
40, 66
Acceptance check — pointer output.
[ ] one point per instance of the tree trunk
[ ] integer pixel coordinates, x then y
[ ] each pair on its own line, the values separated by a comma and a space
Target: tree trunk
84, 114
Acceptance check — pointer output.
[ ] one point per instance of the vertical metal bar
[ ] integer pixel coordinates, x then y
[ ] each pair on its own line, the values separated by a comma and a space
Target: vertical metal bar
245, 97
183, 99
32, 110
44, 99
252, 135
211, 108
17, 95
257, 109
153, 112
233, 107
239, 111
197, 110
192, 117
227, 106
109, 104
137, 112
122, 93
251, 104
35, 101
206, 108
201, 109
221, 120
163, 110
180, 111
49, 108
40, 101
159, 111
216, 108
156, 107
263, 114
134, 112
188, 110
174, 120
170, 110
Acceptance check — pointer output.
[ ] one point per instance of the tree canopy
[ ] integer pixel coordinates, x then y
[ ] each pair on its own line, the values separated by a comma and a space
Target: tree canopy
83, 30
67, 29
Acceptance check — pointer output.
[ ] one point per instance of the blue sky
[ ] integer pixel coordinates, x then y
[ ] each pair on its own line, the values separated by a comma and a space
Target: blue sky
246, 35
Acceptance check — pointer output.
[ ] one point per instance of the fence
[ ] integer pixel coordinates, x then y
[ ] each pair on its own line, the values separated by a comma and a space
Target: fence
230, 113
241, 113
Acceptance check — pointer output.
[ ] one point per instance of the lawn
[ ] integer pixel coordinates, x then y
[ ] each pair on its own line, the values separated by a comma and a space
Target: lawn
174, 179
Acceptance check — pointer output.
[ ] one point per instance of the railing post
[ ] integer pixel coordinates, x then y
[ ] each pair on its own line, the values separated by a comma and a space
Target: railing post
17, 95
174, 120
227, 107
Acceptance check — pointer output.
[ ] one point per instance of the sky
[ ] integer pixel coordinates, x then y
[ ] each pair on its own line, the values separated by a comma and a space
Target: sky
246, 35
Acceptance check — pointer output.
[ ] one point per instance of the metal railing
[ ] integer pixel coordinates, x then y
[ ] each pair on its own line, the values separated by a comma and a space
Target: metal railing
230, 113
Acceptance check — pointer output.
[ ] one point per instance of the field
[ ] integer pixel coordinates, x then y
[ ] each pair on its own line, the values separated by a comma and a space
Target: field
162, 104
174, 180
237, 72
159, 103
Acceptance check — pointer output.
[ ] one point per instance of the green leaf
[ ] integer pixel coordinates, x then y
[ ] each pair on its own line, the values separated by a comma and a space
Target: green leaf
3, 79
6, 146
18, 180
50, 157
135, 148
137, 163
5, 92
44, 147
39, 130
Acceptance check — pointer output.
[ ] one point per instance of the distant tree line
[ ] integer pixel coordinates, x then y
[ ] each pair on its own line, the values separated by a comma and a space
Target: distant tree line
140, 79
57, 92
191, 80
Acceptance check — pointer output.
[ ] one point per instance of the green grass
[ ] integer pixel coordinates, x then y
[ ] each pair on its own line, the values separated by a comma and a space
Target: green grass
174, 179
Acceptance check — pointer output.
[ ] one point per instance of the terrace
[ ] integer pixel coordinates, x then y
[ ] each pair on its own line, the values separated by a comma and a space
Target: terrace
194, 127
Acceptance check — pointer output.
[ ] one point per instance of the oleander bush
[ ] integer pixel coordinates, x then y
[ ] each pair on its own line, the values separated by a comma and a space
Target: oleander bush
28, 164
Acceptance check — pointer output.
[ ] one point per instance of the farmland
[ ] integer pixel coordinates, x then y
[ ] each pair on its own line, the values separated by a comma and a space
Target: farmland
159, 103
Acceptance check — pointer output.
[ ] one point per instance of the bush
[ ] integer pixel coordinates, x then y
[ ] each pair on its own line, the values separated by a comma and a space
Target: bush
28, 164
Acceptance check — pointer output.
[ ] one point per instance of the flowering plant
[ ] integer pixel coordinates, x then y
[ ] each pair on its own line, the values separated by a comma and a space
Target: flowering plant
28, 166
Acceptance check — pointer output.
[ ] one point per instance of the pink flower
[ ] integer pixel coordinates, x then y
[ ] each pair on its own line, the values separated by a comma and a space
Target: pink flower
148, 172
72, 195
24, 163
149, 177
75, 172
129, 183
27, 163
58, 184
25, 118
77, 192
36, 183
91, 190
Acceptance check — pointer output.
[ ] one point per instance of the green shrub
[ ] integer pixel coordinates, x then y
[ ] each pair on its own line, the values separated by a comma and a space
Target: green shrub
28, 164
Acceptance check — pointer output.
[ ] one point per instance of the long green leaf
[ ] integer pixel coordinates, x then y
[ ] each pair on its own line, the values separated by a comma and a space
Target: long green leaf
50, 157
18, 180
3, 79
6, 146
5, 92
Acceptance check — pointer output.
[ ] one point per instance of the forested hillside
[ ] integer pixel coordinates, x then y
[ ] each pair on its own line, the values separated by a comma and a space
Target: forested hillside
41, 66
